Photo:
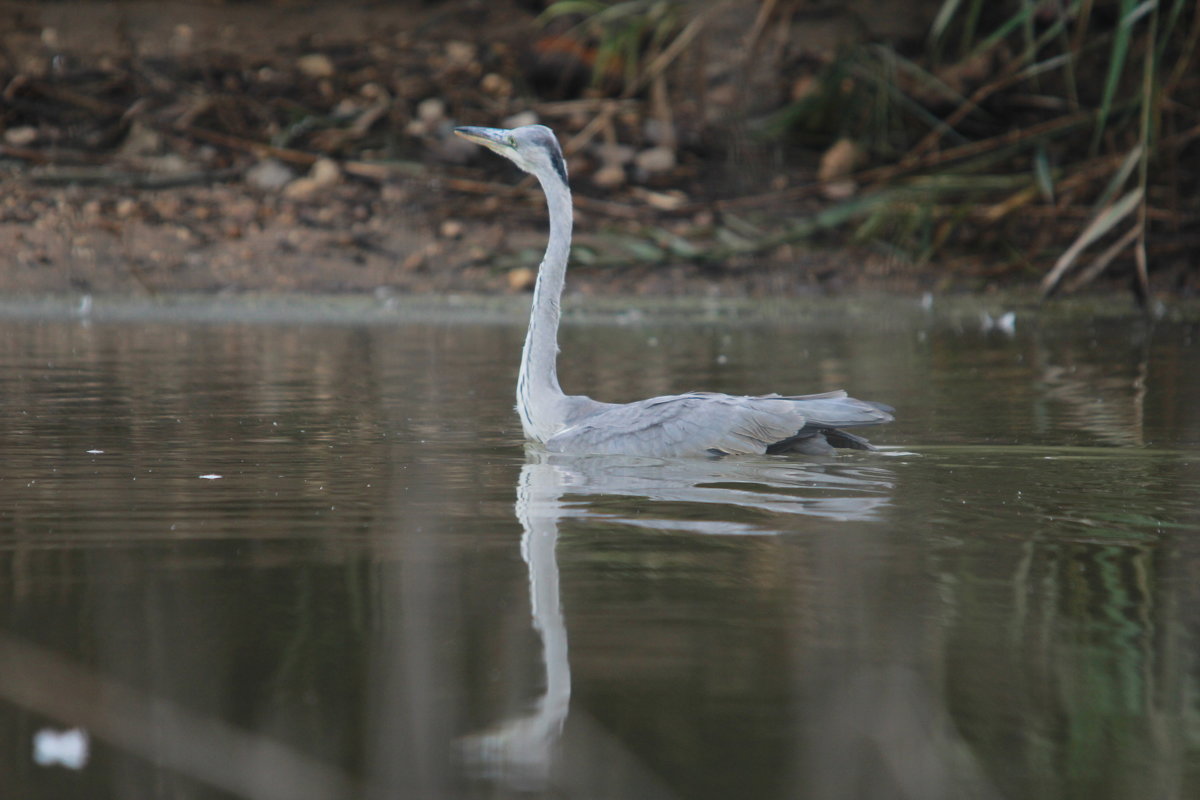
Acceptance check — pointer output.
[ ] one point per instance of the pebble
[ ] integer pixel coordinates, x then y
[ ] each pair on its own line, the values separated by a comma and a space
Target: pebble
316, 65
609, 176
497, 85
21, 136
521, 279
461, 54
665, 201
841, 159
325, 172
842, 189
519, 119
373, 90
301, 188
141, 140
655, 160
269, 175
614, 153
431, 109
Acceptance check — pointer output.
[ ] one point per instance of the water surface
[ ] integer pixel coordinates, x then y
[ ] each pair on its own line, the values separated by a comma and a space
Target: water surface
286, 558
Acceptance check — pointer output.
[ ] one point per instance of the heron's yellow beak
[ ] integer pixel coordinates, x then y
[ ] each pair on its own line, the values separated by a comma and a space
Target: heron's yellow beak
495, 139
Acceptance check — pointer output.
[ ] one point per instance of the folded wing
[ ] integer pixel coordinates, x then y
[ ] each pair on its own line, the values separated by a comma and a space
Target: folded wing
707, 423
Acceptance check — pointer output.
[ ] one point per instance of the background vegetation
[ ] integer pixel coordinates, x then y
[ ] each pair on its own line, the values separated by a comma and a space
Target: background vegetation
1049, 141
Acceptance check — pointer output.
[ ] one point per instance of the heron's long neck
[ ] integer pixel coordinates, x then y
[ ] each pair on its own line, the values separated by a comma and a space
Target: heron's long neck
538, 391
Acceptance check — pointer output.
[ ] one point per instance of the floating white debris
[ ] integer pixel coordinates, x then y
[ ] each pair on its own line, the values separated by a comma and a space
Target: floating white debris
212, 476
95, 452
67, 748
1006, 323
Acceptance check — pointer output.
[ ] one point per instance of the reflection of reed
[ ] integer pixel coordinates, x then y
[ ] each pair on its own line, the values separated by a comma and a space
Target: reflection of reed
1092, 663
1110, 408
1102, 390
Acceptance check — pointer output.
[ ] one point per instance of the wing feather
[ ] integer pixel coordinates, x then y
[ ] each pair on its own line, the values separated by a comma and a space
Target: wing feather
679, 425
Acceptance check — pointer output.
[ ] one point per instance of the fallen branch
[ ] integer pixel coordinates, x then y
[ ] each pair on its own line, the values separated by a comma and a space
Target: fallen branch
106, 176
55, 156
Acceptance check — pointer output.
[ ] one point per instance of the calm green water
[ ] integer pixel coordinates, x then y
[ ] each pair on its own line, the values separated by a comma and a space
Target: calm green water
283, 560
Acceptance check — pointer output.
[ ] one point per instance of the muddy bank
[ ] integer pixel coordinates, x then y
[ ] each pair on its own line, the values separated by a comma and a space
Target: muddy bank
163, 147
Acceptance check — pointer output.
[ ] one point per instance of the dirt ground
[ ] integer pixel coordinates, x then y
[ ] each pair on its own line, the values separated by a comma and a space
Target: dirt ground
133, 160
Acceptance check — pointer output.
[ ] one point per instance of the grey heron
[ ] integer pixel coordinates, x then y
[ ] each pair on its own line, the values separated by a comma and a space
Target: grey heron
690, 424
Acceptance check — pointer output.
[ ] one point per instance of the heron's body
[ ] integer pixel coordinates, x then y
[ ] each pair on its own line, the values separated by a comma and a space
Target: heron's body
695, 423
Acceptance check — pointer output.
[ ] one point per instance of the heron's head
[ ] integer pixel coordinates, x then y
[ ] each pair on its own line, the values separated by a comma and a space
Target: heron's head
533, 148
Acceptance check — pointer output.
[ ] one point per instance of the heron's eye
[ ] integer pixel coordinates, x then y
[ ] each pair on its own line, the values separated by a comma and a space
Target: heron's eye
512, 141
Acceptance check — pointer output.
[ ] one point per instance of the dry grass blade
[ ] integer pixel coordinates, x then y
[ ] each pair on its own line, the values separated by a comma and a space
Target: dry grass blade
1045, 129
1101, 262
1116, 66
672, 51
1128, 165
941, 21
1101, 225
1018, 200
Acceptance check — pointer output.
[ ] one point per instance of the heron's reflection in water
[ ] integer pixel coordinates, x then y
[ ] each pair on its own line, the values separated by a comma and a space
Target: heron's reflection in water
742, 496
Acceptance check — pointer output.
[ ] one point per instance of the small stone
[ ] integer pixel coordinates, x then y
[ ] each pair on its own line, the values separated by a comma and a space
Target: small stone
21, 136
301, 188
522, 118
619, 154
839, 190
316, 65
460, 54
665, 201
182, 38
609, 176
374, 91
521, 279
805, 87
451, 229
841, 159
496, 85
325, 172
431, 110
655, 160
837, 164
269, 175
